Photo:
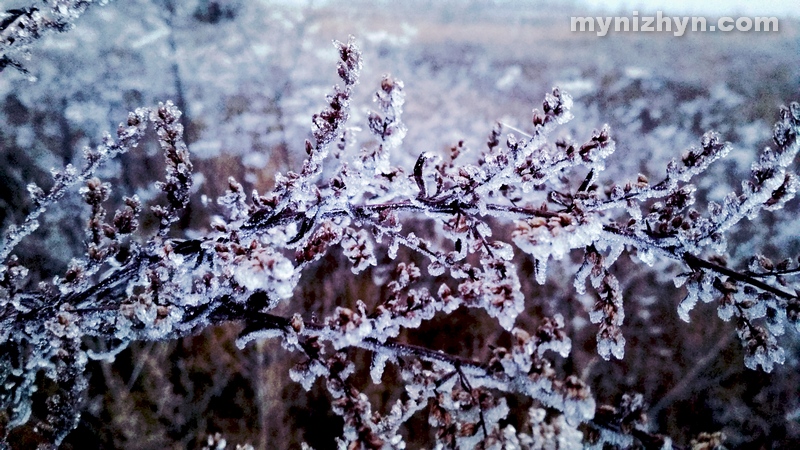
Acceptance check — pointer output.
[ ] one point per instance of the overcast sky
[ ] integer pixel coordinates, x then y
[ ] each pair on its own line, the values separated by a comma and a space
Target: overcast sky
703, 7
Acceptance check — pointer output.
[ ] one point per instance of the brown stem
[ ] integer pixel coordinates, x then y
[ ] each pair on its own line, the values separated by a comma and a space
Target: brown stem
694, 262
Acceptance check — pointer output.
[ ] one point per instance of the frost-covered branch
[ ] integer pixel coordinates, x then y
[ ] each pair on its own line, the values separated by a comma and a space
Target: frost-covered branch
546, 197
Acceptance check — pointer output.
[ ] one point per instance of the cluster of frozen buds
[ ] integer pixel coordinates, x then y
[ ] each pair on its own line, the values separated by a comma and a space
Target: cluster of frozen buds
255, 256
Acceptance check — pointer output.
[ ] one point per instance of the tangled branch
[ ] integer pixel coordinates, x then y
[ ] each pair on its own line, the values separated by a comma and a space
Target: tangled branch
163, 287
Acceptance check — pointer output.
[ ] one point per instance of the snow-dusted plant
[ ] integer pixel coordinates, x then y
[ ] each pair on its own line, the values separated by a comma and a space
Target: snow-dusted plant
547, 195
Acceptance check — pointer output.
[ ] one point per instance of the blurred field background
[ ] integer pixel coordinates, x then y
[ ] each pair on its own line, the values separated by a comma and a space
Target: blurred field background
249, 75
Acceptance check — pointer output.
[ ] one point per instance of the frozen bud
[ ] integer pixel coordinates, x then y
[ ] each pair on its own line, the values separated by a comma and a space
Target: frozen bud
376, 124
708, 441
794, 108
167, 113
75, 272
387, 84
681, 198
134, 120
350, 61
358, 248
126, 220
297, 323
95, 191
793, 312
711, 143
36, 193
782, 135
511, 142
538, 118
493, 140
